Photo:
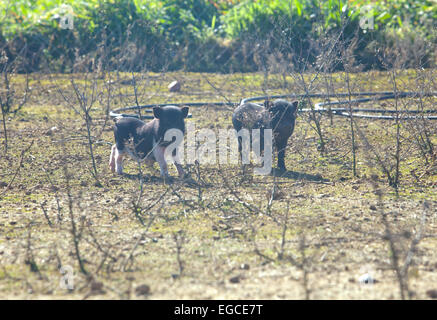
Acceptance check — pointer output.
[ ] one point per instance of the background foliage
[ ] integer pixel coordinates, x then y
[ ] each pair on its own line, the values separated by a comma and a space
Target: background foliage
207, 35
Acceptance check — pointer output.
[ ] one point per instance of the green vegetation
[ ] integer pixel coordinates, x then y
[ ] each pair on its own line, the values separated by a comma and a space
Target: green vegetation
201, 35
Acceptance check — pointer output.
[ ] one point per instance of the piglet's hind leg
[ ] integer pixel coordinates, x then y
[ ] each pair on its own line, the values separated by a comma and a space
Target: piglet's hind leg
112, 158
118, 161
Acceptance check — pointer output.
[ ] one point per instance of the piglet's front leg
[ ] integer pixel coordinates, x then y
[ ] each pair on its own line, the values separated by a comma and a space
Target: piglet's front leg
181, 171
116, 160
178, 165
158, 153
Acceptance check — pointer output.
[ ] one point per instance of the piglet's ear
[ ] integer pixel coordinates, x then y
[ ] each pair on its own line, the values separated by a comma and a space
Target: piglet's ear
268, 104
157, 111
295, 105
184, 111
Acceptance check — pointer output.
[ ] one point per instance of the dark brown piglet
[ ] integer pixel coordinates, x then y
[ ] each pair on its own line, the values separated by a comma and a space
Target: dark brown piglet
280, 116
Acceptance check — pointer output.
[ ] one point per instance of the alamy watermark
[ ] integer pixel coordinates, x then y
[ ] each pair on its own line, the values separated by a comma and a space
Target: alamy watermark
66, 20
67, 280
367, 21
205, 147
367, 275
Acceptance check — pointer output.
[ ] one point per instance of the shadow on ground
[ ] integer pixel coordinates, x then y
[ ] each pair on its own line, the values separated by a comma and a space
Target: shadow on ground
297, 175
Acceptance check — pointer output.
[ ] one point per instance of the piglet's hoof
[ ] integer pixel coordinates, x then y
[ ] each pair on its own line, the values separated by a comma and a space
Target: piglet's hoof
186, 176
279, 171
188, 180
167, 179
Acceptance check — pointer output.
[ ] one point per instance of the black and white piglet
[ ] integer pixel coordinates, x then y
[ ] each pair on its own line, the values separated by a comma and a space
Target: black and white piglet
280, 116
145, 141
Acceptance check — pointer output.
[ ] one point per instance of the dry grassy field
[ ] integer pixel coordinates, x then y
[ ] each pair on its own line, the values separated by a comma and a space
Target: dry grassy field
308, 233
